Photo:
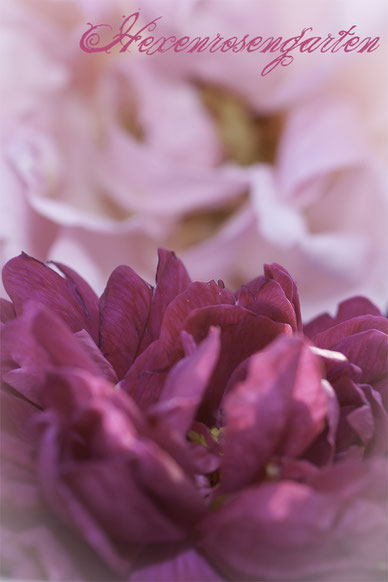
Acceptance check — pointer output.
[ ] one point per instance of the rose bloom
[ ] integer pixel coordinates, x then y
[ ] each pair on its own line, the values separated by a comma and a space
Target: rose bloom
112, 155
183, 432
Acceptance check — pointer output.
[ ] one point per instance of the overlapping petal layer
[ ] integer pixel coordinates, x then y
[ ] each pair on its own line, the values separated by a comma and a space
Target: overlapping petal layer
184, 432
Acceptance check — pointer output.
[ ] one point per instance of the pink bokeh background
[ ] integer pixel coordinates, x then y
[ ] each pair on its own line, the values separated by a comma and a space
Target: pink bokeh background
106, 157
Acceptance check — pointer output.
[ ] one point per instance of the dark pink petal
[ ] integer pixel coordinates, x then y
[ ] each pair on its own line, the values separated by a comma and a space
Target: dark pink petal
55, 338
296, 469
382, 389
333, 415
263, 533
185, 566
273, 303
256, 414
196, 296
369, 351
242, 334
204, 461
362, 422
379, 441
348, 392
353, 479
346, 436
337, 365
348, 370
107, 470
364, 341
352, 453
171, 280
23, 361
188, 343
270, 301
320, 323
277, 273
32, 344
353, 307
245, 297
145, 378
105, 368
291, 531
323, 449
84, 295
124, 310
352, 398
273, 295
171, 442
309, 406
110, 491
32, 543
278, 409
68, 297
75, 390
7, 311
70, 509
186, 383
252, 286
239, 374
332, 336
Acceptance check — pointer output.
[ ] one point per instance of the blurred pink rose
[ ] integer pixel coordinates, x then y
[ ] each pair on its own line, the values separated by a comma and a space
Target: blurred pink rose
106, 157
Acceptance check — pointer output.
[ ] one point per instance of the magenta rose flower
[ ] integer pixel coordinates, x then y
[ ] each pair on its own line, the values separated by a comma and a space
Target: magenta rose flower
182, 432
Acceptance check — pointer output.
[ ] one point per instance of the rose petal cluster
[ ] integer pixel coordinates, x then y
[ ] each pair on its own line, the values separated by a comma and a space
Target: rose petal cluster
185, 432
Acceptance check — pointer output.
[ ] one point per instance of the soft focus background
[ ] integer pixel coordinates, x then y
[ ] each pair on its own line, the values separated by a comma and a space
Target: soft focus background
106, 157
